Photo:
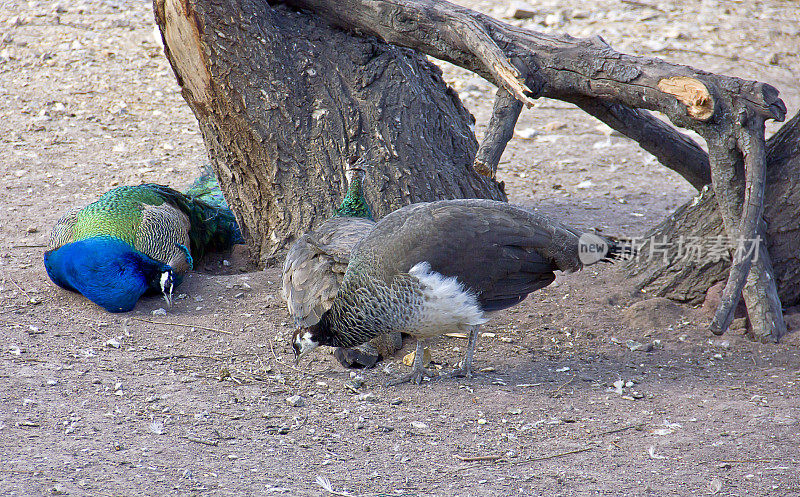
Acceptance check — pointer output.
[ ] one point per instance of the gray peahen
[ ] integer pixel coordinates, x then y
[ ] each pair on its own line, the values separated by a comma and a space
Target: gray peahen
315, 266
439, 267
138, 239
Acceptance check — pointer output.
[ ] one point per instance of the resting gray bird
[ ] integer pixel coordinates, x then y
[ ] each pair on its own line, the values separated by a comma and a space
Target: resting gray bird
315, 266
439, 267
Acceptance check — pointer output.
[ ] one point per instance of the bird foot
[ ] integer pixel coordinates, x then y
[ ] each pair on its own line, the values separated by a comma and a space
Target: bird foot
414, 377
461, 372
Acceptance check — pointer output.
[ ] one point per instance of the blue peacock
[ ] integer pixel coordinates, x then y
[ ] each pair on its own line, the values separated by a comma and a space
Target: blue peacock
139, 239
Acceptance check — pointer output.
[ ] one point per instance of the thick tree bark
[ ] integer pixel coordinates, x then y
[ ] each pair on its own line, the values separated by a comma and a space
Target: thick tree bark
283, 101
672, 271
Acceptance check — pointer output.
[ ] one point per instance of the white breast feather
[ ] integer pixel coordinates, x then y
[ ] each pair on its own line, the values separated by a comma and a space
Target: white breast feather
447, 306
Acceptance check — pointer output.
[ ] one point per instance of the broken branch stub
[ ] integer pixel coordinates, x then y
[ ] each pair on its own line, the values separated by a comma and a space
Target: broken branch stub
498, 132
692, 93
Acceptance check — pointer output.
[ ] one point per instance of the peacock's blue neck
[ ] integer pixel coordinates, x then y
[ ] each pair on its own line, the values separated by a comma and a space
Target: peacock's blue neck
106, 270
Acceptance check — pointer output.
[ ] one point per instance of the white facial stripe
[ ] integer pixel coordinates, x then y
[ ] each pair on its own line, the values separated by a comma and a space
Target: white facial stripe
164, 278
306, 343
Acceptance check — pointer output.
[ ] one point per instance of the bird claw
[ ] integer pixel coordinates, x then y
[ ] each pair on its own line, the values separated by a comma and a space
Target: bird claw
461, 372
414, 377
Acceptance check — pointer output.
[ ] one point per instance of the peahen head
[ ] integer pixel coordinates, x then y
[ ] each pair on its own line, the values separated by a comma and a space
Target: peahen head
354, 203
304, 340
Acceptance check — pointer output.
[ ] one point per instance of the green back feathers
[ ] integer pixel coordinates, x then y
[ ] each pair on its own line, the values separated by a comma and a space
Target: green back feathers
354, 204
118, 213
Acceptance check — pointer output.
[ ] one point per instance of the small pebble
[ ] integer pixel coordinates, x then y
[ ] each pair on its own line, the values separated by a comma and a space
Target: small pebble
554, 125
295, 401
634, 346
419, 425
159, 312
526, 133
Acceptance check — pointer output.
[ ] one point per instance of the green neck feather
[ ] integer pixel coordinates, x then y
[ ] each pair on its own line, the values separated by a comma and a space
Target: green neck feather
354, 203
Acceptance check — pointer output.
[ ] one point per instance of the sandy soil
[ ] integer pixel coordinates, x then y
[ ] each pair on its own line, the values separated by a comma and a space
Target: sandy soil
195, 401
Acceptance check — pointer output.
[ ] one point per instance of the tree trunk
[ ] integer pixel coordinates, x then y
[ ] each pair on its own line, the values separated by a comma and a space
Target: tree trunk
283, 101
686, 278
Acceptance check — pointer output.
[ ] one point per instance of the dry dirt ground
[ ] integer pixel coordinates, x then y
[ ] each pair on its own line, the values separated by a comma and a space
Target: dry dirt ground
194, 402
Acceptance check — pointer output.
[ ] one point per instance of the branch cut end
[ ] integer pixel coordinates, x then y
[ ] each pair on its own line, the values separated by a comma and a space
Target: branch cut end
692, 93
182, 38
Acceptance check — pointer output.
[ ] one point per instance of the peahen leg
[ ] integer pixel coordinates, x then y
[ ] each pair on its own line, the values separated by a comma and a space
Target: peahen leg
417, 371
465, 368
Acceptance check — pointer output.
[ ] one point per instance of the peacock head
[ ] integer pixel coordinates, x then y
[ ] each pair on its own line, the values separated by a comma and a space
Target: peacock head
167, 283
305, 340
354, 176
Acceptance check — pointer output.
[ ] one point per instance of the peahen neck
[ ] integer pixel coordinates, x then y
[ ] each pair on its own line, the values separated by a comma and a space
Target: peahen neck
354, 204
344, 326
328, 332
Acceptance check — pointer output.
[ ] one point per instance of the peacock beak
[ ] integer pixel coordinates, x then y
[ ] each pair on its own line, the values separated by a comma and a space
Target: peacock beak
168, 298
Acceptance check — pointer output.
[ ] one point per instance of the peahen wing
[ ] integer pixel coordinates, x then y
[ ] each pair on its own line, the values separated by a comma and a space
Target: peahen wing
315, 265
500, 252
